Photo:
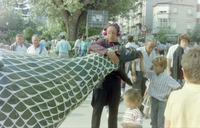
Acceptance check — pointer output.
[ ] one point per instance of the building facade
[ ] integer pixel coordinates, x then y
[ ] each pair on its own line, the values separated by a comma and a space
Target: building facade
177, 16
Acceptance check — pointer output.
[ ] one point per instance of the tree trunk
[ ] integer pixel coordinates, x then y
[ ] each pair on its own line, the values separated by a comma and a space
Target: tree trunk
71, 24
71, 28
71, 21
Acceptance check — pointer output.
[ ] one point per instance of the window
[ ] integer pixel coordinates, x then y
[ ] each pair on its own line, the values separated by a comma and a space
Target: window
163, 23
198, 7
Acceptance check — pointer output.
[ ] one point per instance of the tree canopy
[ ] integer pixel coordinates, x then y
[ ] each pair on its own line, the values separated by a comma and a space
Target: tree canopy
195, 33
68, 15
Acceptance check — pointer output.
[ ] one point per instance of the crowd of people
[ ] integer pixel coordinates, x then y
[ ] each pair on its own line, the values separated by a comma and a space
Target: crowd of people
165, 87
152, 70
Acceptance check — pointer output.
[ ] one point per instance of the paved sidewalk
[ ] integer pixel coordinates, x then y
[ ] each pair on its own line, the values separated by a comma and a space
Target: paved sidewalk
81, 116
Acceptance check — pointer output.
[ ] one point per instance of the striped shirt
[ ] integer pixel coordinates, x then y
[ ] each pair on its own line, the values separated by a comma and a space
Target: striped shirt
161, 85
133, 116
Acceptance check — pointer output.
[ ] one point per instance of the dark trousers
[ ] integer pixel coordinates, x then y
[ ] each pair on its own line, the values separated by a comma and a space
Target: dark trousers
109, 95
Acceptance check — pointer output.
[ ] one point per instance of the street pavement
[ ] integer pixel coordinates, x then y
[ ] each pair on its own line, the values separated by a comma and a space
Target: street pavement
81, 116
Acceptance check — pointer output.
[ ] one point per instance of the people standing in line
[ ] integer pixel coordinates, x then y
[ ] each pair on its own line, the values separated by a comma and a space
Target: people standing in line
182, 110
83, 47
109, 91
19, 45
76, 46
160, 87
161, 48
37, 48
63, 47
132, 116
177, 73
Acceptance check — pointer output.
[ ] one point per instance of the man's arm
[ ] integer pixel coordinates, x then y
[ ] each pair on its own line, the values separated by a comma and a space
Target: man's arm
169, 66
134, 76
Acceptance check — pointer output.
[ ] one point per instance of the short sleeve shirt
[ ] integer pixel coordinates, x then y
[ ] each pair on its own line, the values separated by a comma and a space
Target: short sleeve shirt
133, 116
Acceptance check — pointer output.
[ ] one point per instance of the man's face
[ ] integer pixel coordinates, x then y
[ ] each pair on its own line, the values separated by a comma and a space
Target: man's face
149, 47
184, 43
111, 34
35, 41
19, 40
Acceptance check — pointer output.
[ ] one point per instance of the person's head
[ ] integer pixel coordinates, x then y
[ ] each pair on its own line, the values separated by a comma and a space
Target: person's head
35, 40
19, 39
183, 40
159, 64
83, 38
149, 45
132, 98
130, 38
62, 37
191, 65
111, 31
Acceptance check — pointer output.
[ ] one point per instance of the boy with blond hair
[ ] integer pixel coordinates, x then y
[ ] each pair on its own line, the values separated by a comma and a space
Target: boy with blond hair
160, 87
182, 110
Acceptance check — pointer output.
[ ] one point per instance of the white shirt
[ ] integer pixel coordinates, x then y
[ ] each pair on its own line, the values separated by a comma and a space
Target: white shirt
147, 58
77, 43
131, 44
32, 50
21, 49
161, 85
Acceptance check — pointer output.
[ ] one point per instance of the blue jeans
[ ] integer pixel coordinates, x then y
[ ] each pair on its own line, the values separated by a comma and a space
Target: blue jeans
157, 113
76, 52
83, 53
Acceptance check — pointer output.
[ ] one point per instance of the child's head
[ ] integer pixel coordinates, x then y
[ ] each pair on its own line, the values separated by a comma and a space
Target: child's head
191, 65
183, 40
132, 98
159, 64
